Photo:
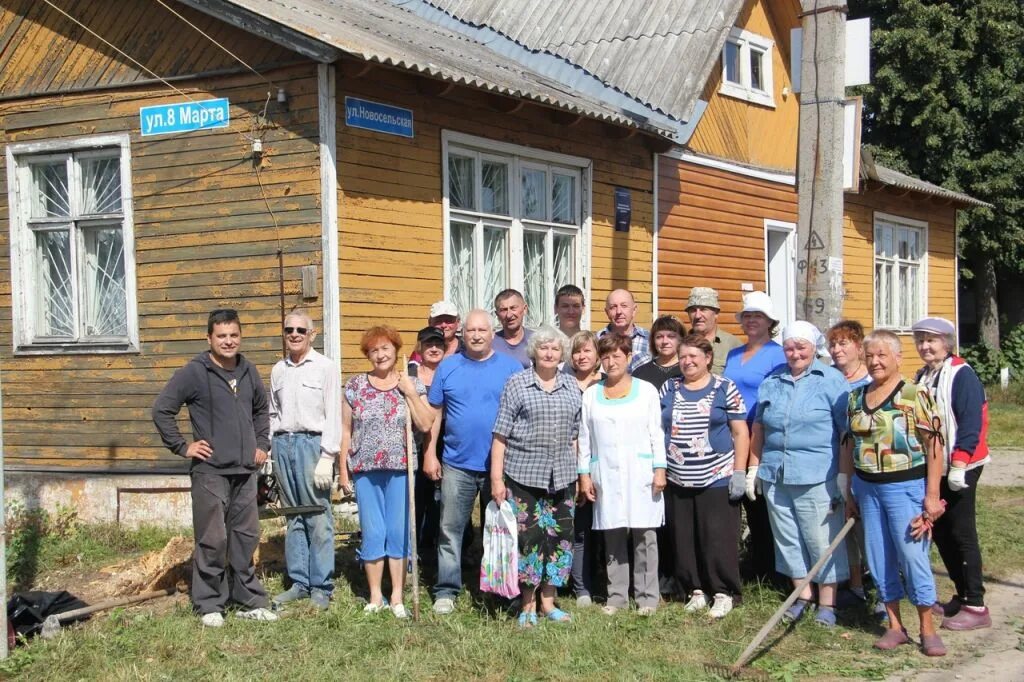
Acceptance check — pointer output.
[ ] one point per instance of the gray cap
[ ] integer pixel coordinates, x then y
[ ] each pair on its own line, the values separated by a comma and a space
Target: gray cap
703, 297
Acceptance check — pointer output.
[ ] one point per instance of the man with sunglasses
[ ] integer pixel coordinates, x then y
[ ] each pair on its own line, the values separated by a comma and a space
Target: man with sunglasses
305, 420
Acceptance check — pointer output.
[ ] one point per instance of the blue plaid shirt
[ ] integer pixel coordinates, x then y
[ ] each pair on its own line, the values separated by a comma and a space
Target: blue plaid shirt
641, 339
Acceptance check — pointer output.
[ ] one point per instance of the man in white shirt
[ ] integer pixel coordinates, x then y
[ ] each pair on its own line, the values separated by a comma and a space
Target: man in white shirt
305, 420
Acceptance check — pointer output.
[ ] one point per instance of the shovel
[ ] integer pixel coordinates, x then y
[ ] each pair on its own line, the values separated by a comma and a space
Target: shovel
52, 624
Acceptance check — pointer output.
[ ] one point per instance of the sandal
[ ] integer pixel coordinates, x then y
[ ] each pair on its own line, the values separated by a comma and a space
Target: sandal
527, 620
558, 615
793, 613
826, 617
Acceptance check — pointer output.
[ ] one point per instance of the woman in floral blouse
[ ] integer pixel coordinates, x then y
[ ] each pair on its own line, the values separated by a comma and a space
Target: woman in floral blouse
373, 447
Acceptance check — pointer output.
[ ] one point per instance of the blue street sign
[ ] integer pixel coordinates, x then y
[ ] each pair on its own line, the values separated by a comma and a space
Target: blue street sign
184, 117
382, 118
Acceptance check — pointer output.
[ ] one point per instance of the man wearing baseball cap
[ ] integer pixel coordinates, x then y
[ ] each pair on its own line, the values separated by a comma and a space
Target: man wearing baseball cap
702, 308
445, 316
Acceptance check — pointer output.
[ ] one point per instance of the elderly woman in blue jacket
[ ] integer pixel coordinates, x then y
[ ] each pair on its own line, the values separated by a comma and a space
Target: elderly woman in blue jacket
799, 421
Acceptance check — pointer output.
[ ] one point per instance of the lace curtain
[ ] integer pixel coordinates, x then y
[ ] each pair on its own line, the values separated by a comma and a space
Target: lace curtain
106, 310
55, 310
462, 292
535, 281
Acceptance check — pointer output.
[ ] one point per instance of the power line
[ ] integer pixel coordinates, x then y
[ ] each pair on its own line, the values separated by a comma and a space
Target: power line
212, 40
122, 52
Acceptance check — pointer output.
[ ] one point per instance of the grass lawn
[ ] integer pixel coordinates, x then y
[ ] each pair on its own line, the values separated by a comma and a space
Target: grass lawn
478, 642
1006, 416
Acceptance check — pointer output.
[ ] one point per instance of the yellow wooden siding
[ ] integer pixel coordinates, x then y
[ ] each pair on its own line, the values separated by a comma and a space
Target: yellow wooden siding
76, 59
711, 233
203, 239
753, 134
858, 253
390, 204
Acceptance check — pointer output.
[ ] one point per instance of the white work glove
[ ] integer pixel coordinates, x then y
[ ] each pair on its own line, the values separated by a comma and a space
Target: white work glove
737, 485
957, 478
323, 475
843, 481
751, 487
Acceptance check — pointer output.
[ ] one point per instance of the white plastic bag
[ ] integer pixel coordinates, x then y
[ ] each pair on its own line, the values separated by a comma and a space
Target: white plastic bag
499, 570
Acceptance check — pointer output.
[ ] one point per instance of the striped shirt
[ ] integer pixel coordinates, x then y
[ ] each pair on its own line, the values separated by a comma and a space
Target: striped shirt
700, 449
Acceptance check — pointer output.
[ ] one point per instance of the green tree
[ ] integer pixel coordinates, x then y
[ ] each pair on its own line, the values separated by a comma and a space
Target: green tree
946, 103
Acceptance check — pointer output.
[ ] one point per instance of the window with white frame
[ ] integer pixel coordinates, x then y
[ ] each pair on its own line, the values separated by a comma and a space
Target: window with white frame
71, 246
515, 219
899, 272
747, 67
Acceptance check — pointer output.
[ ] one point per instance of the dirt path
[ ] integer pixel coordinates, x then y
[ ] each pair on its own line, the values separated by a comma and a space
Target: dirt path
1007, 468
997, 653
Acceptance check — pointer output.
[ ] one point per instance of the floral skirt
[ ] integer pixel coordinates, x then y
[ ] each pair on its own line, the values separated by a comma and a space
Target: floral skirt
545, 533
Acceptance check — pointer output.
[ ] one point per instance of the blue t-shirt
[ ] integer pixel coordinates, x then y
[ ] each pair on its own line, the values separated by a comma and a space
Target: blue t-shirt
469, 391
518, 351
748, 375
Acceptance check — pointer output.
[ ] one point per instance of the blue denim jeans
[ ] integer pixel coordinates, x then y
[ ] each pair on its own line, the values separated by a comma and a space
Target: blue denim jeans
309, 540
886, 510
805, 519
459, 487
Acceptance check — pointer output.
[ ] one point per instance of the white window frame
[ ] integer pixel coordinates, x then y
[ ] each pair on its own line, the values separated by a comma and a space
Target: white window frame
22, 246
745, 41
899, 222
518, 157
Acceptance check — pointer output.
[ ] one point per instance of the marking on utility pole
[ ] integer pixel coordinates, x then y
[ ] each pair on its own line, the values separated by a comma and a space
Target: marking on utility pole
815, 243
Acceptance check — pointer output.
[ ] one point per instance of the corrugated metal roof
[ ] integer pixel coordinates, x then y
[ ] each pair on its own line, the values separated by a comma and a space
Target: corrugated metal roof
870, 170
383, 32
657, 51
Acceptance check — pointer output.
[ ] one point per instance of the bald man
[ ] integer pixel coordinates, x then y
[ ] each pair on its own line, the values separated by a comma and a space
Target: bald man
467, 387
620, 307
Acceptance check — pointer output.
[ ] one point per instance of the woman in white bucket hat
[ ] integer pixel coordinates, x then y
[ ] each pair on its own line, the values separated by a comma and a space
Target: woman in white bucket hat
747, 366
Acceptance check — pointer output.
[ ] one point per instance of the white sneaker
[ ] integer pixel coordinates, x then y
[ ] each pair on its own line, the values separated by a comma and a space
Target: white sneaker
213, 620
698, 602
645, 611
261, 614
376, 608
722, 606
444, 606
609, 610
400, 611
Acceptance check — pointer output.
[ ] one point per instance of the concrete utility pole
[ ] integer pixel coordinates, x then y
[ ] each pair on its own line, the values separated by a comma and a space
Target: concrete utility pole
820, 163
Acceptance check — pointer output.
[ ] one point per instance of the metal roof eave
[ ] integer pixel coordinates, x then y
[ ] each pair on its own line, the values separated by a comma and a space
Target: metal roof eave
329, 49
255, 23
870, 170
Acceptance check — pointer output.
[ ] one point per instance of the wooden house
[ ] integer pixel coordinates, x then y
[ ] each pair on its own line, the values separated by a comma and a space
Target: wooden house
727, 209
365, 158
356, 158
727, 191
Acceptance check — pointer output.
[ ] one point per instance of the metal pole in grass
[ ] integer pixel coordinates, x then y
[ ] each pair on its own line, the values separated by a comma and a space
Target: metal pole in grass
3, 540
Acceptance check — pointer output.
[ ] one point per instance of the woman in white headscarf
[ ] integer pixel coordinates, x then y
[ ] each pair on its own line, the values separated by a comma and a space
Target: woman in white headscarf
799, 421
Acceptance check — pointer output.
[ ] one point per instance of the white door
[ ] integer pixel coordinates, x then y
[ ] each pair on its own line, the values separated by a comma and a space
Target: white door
780, 267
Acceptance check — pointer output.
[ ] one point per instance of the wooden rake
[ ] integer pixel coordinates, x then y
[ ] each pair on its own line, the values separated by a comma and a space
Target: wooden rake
737, 669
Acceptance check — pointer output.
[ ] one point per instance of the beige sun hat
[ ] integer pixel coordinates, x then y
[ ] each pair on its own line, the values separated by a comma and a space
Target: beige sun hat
703, 297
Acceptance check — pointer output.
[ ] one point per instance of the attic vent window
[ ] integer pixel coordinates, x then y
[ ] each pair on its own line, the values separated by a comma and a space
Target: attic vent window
747, 68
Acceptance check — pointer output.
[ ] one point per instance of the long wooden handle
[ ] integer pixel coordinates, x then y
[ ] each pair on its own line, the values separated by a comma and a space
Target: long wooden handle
111, 603
410, 470
794, 595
